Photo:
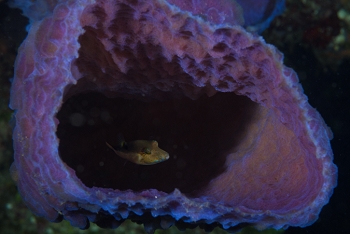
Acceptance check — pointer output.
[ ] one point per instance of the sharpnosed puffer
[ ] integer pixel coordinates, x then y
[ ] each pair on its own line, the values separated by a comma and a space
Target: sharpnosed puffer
141, 152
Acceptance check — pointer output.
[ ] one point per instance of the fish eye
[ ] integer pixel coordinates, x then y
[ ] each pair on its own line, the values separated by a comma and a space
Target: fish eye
146, 150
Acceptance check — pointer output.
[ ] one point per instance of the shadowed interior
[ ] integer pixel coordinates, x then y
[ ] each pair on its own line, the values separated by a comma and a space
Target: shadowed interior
146, 95
198, 134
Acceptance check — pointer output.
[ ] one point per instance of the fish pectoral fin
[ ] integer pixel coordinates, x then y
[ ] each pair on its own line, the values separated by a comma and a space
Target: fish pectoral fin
123, 145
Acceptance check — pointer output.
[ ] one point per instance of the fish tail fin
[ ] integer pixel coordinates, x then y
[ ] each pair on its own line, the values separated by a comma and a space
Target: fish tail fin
121, 144
109, 145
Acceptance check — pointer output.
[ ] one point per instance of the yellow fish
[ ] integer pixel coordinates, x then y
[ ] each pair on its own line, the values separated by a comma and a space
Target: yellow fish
141, 152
